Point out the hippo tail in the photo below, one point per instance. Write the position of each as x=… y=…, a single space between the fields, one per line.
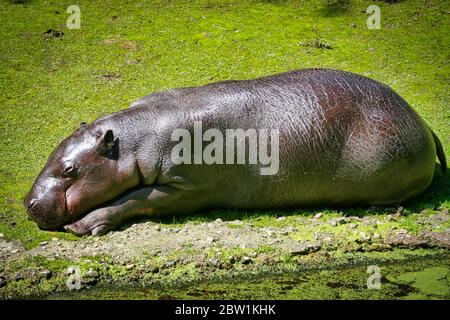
x=440 y=152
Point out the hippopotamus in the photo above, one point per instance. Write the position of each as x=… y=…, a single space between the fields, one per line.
x=342 y=140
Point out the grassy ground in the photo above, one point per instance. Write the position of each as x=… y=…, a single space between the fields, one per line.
x=50 y=82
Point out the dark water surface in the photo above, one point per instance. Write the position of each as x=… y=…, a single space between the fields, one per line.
x=420 y=279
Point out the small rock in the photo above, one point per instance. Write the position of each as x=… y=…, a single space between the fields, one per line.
x=246 y=260
x=2 y=235
x=129 y=266
x=43 y=243
x=376 y=236
x=325 y=237
x=18 y=277
x=231 y=259
x=176 y=230
x=213 y=262
x=364 y=237
x=92 y=273
x=218 y=220
x=305 y=248
x=47 y=274
x=318 y=215
x=154 y=270
x=169 y=264
x=337 y=221
x=352 y=225
x=210 y=239
x=399 y=210
x=158 y=228
x=270 y=233
x=2 y=281
x=281 y=218
x=55 y=239
x=14 y=251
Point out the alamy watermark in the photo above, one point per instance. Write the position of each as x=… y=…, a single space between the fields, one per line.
x=74 y=20
x=74 y=278
x=374 y=20
x=374 y=280
x=235 y=142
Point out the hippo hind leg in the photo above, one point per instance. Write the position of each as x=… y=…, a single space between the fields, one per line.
x=387 y=165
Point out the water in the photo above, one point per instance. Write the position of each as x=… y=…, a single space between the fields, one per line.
x=418 y=279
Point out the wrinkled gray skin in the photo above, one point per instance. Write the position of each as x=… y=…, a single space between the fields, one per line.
x=345 y=140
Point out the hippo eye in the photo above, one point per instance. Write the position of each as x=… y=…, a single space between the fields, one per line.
x=68 y=171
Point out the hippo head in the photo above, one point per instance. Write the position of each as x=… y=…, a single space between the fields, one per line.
x=81 y=174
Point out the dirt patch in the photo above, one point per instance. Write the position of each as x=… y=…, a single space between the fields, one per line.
x=52 y=34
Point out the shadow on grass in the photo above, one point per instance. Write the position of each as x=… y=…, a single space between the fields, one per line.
x=334 y=8
x=434 y=197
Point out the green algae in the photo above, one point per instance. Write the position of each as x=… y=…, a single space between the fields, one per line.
x=418 y=279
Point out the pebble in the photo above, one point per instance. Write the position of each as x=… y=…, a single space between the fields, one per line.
x=305 y=248
x=246 y=260
x=270 y=233
x=218 y=220
x=213 y=262
x=92 y=273
x=352 y=225
x=2 y=281
x=210 y=239
x=337 y=221
x=158 y=228
x=18 y=277
x=43 y=243
x=129 y=266
x=55 y=239
x=169 y=264
x=318 y=215
x=231 y=259
x=154 y=270
x=47 y=274
x=364 y=236
x=281 y=218
x=14 y=251
x=2 y=235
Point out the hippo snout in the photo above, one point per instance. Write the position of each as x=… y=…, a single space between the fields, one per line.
x=46 y=211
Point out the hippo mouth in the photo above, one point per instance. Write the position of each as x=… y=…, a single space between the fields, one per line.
x=49 y=218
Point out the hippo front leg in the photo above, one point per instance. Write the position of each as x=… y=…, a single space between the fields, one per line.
x=148 y=201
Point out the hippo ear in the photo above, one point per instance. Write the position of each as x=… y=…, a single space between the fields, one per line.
x=107 y=146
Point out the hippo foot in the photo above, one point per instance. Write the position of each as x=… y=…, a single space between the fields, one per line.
x=96 y=223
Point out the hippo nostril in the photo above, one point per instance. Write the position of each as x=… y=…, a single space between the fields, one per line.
x=32 y=203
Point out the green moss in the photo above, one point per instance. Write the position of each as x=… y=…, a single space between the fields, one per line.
x=49 y=86
x=423 y=279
